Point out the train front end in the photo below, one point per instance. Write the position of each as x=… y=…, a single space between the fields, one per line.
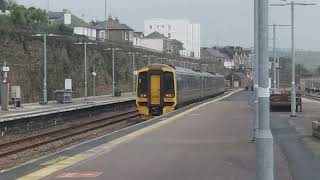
x=156 y=90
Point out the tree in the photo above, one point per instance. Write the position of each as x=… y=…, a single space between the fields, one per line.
x=20 y=15
x=3 y=5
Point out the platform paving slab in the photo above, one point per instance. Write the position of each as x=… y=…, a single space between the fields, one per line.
x=294 y=136
x=212 y=142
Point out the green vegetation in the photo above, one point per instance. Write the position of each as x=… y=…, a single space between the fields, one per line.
x=27 y=18
x=3 y=5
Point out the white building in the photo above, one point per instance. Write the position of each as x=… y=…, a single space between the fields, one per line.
x=182 y=30
x=229 y=64
x=137 y=38
x=79 y=26
x=157 y=41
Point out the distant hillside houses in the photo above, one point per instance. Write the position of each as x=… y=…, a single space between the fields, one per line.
x=176 y=37
x=231 y=57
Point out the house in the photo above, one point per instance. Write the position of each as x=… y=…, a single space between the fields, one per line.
x=117 y=31
x=79 y=26
x=157 y=42
x=177 y=46
x=237 y=79
x=137 y=38
x=160 y=42
x=214 y=55
x=239 y=55
x=101 y=27
x=182 y=30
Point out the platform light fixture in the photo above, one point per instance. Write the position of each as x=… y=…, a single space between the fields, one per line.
x=85 y=44
x=133 y=68
x=113 y=67
x=44 y=80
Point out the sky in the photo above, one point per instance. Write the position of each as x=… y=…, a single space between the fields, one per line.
x=223 y=22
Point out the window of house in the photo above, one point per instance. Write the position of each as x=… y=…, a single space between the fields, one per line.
x=158 y=26
x=169 y=35
x=162 y=26
x=126 y=35
x=150 y=26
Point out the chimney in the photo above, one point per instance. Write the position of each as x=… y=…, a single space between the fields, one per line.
x=109 y=22
x=110 y=18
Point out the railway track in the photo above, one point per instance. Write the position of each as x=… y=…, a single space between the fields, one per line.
x=312 y=96
x=31 y=142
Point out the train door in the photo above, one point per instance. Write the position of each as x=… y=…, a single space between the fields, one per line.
x=155 y=89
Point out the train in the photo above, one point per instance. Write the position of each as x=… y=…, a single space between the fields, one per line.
x=161 y=88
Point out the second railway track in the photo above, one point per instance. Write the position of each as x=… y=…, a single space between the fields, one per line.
x=312 y=96
x=31 y=142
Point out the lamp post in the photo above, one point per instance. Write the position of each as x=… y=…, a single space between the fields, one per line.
x=133 y=68
x=85 y=65
x=275 y=63
x=293 y=53
x=94 y=75
x=113 y=67
x=44 y=80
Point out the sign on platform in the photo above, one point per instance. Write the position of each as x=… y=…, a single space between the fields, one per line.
x=5 y=69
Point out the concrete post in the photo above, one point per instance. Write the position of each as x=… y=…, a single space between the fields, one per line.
x=256 y=52
x=278 y=72
x=293 y=83
x=264 y=139
x=85 y=71
x=133 y=70
x=274 y=58
x=44 y=91
x=113 y=73
x=94 y=81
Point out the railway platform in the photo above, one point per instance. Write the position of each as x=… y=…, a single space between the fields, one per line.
x=207 y=141
x=35 y=109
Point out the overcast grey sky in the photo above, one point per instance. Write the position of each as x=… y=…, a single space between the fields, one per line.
x=223 y=22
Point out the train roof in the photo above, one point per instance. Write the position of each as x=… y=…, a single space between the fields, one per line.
x=187 y=71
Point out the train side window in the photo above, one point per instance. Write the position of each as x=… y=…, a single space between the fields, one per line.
x=169 y=85
x=142 y=85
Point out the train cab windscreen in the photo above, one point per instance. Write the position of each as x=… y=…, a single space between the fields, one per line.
x=142 y=85
x=168 y=85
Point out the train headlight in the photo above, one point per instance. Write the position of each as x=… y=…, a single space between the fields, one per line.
x=169 y=95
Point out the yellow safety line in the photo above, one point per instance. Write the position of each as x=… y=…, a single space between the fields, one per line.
x=67 y=162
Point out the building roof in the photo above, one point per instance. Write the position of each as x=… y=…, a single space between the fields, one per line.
x=138 y=34
x=100 y=25
x=155 y=35
x=114 y=24
x=58 y=17
x=212 y=52
x=174 y=41
x=237 y=75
